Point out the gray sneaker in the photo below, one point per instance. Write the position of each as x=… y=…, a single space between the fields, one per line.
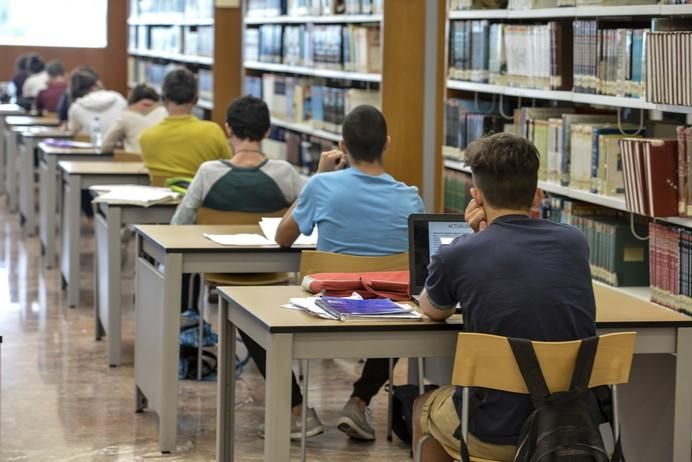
x=356 y=422
x=312 y=424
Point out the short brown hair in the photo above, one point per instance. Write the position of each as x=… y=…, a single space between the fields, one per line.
x=505 y=169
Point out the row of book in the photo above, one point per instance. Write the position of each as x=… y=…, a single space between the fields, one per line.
x=309 y=101
x=348 y=47
x=537 y=4
x=153 y=73
x=670 y=254
x=464 y=122
x=671 y=67
x=609 y=61
x=179 y=8
x=301 y=150
x=521 y=55
x=457 y=194
x=189 y=40
x=269 y=8
x=616 y=256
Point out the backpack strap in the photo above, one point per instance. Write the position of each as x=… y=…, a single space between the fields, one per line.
x=584 y=364
x=530 y=369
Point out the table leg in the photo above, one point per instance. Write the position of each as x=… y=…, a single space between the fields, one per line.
x=277 y=412
x=157 y=309
x=27 y=185
x=108 y=311
x=12 y=191
x=682 y=426
x=3 y=157
x=71 y=228
x=225 y=428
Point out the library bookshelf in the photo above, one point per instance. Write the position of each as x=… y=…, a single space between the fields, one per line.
x=477 y=94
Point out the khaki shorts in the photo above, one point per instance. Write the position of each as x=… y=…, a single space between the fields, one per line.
x=439 y=418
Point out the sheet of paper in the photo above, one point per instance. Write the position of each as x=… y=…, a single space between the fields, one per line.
x=239 y=239
x=269 y=226
x=134 y=194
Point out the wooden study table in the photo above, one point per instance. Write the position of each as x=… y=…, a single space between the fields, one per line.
x=12 y=153
x=164 y=254
x=78 y=175
x=108 y=222
x=27 y=140
x=654 y=427
x=5 y=111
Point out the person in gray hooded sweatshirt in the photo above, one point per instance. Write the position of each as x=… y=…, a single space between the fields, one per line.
x=91 y=100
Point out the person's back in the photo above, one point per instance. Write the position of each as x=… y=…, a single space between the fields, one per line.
x=179 y=144
x=249 y=182
x=515 y=277
x=21 y=74
x=90 y=100
x=143 y=111
x=49 y=98
x=38 y=78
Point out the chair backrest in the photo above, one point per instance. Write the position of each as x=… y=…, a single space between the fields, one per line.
x=157 y=178
x=315 y=261
x=120 y=155
x=207 y=216
x=487 y=361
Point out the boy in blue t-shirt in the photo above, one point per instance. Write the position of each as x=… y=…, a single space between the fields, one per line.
x=358 y=210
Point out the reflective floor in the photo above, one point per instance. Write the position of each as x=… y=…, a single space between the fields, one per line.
x=59 y=401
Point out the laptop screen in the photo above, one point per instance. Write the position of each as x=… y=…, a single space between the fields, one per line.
x=427 y=232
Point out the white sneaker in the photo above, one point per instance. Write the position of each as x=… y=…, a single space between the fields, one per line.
x=356 y=422
x=313 y=426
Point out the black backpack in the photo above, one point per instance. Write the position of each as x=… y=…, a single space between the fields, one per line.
x=561 y=427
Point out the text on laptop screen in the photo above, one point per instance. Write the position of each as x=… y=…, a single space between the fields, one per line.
x=428 y=237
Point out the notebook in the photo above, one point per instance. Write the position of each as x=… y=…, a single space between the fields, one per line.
x=345 y=309
x=426 y=233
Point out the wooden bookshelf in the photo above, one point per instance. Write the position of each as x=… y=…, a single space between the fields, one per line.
x=306 y=129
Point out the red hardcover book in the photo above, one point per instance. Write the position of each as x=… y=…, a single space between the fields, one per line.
x=661 y=179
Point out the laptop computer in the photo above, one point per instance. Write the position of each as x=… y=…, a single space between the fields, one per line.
x=426 y=233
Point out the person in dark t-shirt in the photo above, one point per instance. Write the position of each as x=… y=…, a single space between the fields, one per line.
x=514 y=277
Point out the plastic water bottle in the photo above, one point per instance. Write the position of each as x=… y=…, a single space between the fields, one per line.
x=96 y=135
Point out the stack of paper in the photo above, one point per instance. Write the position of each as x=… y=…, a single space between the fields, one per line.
x=269 y=226
x=140 y=195
x=311 y=306
x=249 y=240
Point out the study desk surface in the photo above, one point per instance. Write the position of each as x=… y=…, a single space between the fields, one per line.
x=102 y=167
x=31 y=120
x=190 y=238
x=11 y=109
x=613 y=309
x=40 y=131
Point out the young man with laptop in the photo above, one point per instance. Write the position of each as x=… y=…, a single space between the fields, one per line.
x=514 y=277
x=359 y=210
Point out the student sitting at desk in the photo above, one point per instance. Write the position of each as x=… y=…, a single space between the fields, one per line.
x=358 y=210
x=143 y=111
x=248 y=182
x=49 y=98
x=516 y=277
x=181 y=142
x=21 y=67
x=37 y=80
x=91 y=100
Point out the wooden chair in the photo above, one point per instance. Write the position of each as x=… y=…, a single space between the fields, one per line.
x=487 y=361
x=157 y=178
x=207 y=216
x=314 y=261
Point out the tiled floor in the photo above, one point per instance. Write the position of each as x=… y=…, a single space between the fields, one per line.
x=59 y=401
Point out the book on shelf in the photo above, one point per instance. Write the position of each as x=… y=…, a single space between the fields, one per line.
x=670 y=256
x=520 y=55
x=650 y=168
x=616 y=256
x=457 y=191
x=350 y=47
x=165 y=39
x=269 y=8
x=466 y=121
x=609 y=60
x=205 y=79
x=669 y=67
x=564 y=157
x=684 y=149
x=198 y=41
x=174 y=9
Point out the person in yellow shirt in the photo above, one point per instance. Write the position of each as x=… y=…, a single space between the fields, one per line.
x=179 y=144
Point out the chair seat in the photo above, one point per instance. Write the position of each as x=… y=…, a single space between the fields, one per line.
x=246 y=279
